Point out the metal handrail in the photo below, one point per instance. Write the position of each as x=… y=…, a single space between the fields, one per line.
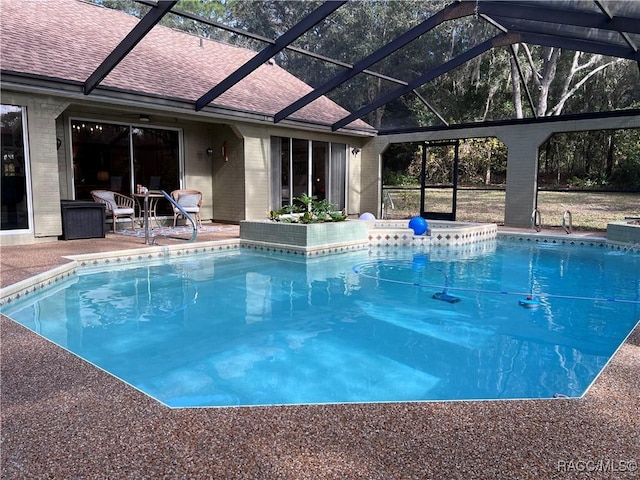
x=567 y=215
x=387 y=200
x=536 y=220
x=183 y=212
x=388 y=195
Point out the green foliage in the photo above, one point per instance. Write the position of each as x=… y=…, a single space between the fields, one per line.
x=608 y=159
x=306 y=209
x=391 y=177
x=398 y=161
x=626 y=170
x=486 y=87
x=481 y=161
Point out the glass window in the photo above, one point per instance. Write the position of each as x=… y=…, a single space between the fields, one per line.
x=119 y=157
x=338 y=175
x=100 y=158
x=320 y=165
x=302 y=166
x=156 y=161
x=15 y=208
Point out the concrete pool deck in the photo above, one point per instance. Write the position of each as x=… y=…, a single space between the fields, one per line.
x=63 y=418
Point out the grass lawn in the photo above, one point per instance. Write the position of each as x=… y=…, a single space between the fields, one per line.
x=589 y=210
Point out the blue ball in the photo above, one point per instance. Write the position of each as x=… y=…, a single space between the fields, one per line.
x=367 y=216
x=418 y=225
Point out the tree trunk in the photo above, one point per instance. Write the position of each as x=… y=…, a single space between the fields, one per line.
x=550 y=58
x=515 y=82
x=487 y=173
x=608 y=166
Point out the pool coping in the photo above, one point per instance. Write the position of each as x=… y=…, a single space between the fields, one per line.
x=86 y=263
x=387 y=236
x=63 y=417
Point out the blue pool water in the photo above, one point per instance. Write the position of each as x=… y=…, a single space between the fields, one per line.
x=249 y=328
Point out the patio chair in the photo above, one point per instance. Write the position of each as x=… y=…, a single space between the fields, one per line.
x=190 y=201
x=117 y=205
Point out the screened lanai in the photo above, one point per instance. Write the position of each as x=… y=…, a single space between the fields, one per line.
x=373 y=74
x=404 y=101
x=608 y=28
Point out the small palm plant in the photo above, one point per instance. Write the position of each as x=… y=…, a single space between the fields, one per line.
x=308 y=209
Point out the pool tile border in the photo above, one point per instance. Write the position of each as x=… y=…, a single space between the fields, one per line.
x=391 y=233
x=87 y=262
x=558 y=239
x=386 y=236
x=304 y=251
x=94 y=261
x=33 y=284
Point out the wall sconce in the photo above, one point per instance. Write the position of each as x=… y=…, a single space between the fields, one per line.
x=225 y=151
x=209 y=151
x=144 y=118
x=355 y=151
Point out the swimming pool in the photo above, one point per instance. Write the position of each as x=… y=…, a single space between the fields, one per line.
x=252 y=328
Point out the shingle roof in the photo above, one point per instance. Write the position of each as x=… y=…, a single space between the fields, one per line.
x=67 y=40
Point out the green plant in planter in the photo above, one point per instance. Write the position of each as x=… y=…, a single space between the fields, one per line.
x=306 y=209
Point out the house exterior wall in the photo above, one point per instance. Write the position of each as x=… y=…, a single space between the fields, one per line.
x=44 y=191
x=370 y=179
x=521 y=194
x=235 y=182
x=354 y=175
x=257 y=161
x=228 y=175
x=196 y=175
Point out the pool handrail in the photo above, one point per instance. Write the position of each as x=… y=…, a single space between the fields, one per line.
x=566 y=217
x=183 y=212
x=536 y=220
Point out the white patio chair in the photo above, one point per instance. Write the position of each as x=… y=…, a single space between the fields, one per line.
x=190 y=201
x=117 y=205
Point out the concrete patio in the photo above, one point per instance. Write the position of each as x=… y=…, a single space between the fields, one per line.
x=64 y=418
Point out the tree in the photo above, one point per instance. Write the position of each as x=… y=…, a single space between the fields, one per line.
x=556 y=76
x=487 y=87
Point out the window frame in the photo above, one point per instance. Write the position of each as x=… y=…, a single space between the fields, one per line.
x=27 y=173
x=130 y=126
x=276 y=186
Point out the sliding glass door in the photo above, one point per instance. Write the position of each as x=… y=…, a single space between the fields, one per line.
x=15 y=169
x=303 y=166
x=119 y=157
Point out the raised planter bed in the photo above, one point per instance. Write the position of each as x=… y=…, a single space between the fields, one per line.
x=305 y=238
x=624 y=232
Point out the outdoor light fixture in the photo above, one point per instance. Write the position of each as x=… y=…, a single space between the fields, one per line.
x=225 y=153
x=209 y=151
x=144 y=118
x=355 y=151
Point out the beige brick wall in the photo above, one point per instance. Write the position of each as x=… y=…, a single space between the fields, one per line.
x=42 y=112
x=197 y=164
x=228 y=176
x=257 y=161
x=368 y=187
x=522 y=176
x=354 y=194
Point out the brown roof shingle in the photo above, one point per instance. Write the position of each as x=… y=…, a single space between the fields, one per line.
x=68 y=39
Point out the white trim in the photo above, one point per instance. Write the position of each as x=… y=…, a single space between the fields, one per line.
x=27 y=175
